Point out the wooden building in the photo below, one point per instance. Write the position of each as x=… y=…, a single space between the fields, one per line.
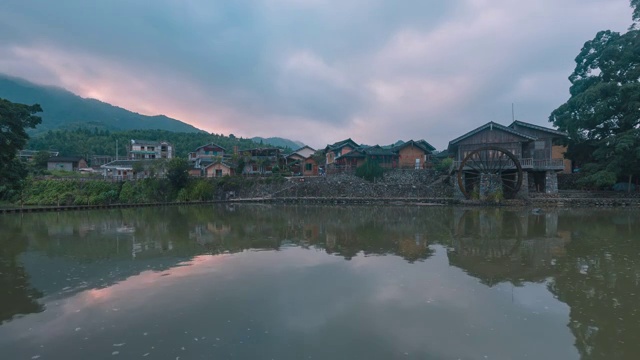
x=536 y=148
x=217 y=169
x=261 y=161
x=414 y=154
x=301 y=162
x=338 y=149
x=66 y=163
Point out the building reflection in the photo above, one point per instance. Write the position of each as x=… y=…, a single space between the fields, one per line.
x=497 y=245
x=589 y=260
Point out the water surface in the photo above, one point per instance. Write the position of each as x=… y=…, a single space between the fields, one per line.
x=303 y=282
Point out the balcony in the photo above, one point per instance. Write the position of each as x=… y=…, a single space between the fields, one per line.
x=526 y=164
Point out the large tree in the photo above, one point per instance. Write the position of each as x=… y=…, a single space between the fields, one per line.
x=602 y=115
x=14 y=120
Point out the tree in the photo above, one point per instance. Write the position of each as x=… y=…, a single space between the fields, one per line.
x=370 y=170
x=14 y=120
x=40 y=159
x=602 y=116
x=178 y=172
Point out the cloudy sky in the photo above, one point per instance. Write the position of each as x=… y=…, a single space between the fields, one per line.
x=317 y=71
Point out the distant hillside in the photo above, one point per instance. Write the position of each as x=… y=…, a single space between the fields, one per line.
x=279 y=142
x=65 y=110
x=88 y=141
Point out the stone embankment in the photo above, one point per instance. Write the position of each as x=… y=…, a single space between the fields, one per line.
x=406 y=184
x=411 y=186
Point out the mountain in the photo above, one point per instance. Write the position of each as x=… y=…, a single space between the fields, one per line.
x=276 y=141
x=66 y=110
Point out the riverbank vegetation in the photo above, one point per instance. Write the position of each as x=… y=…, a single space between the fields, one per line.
x=602 y=116
x=57 y=192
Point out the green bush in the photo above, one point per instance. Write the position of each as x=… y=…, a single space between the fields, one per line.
x=443 y=165
x=370 y=170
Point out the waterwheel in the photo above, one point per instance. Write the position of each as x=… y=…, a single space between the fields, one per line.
x=494 y=163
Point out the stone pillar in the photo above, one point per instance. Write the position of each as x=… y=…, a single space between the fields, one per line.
x=457 y=193
x=490 y=184
x=551 y=182
x=524 y=188
x=551 y=224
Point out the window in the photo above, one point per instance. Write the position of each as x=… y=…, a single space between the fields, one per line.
x=308 y=167
x=540 y=144
x=218 y=172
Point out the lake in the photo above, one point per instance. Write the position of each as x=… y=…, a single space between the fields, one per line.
x=320 y=282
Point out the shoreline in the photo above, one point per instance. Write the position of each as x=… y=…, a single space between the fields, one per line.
x=552 y=202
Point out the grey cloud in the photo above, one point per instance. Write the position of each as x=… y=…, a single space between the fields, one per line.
x=238 y=54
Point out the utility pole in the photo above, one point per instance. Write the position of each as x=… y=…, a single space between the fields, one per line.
x=116 y=149
x=513 y=113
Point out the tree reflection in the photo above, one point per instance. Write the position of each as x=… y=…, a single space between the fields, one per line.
x=599 y=278
x=497 y=245
x=16 y=294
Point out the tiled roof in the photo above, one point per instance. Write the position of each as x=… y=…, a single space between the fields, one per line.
x=342 y=143
x=65 y=158
x=538 y=127
x=212 y=145
x=490 y=125
x=379 y=151
x=420 y=143
x=128 y=163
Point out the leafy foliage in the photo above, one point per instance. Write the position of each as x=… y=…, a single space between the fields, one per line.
x=443 y=165
x=14 y=120
x=602 y=116
x=89 y=142
x=370 y=170
x=178 y=172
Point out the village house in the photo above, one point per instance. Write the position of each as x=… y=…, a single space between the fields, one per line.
x=205 y=156
x=27 y=155
x=414 y=154
x=302 y=162
x=66 y=163
x=260 y=161
x=133 y=169
x=208 y=151
x=218 y=168
x=347 y=154
x=142 y=149
x=338 y=149
x=536 y=148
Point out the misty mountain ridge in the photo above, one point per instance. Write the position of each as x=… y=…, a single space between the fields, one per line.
x=66 y=110
x=277 y=141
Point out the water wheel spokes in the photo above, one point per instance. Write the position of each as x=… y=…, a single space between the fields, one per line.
x=490 y=160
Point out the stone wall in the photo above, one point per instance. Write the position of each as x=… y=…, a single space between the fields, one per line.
x=395 y=184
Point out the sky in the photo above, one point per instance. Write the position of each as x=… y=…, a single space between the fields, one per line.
x=316 y=71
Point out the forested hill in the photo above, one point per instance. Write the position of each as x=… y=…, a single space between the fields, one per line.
x=88 y=142
x=65 y=110
x=280 y=142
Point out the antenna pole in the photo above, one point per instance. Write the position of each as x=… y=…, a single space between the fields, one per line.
x=116 y=149
x=513 y=113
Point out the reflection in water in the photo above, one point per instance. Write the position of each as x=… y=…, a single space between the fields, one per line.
x=498 y=246
x=588 y=260
x=17 y=296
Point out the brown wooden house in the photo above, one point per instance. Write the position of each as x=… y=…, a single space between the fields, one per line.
x=414 y=154
x=531 y=144
x=209 y=151
x=338 y=149
x=217 y=169
x=301 y=162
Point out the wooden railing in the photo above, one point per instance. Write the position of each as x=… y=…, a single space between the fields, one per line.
x=551 y=164
x=528 y=163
